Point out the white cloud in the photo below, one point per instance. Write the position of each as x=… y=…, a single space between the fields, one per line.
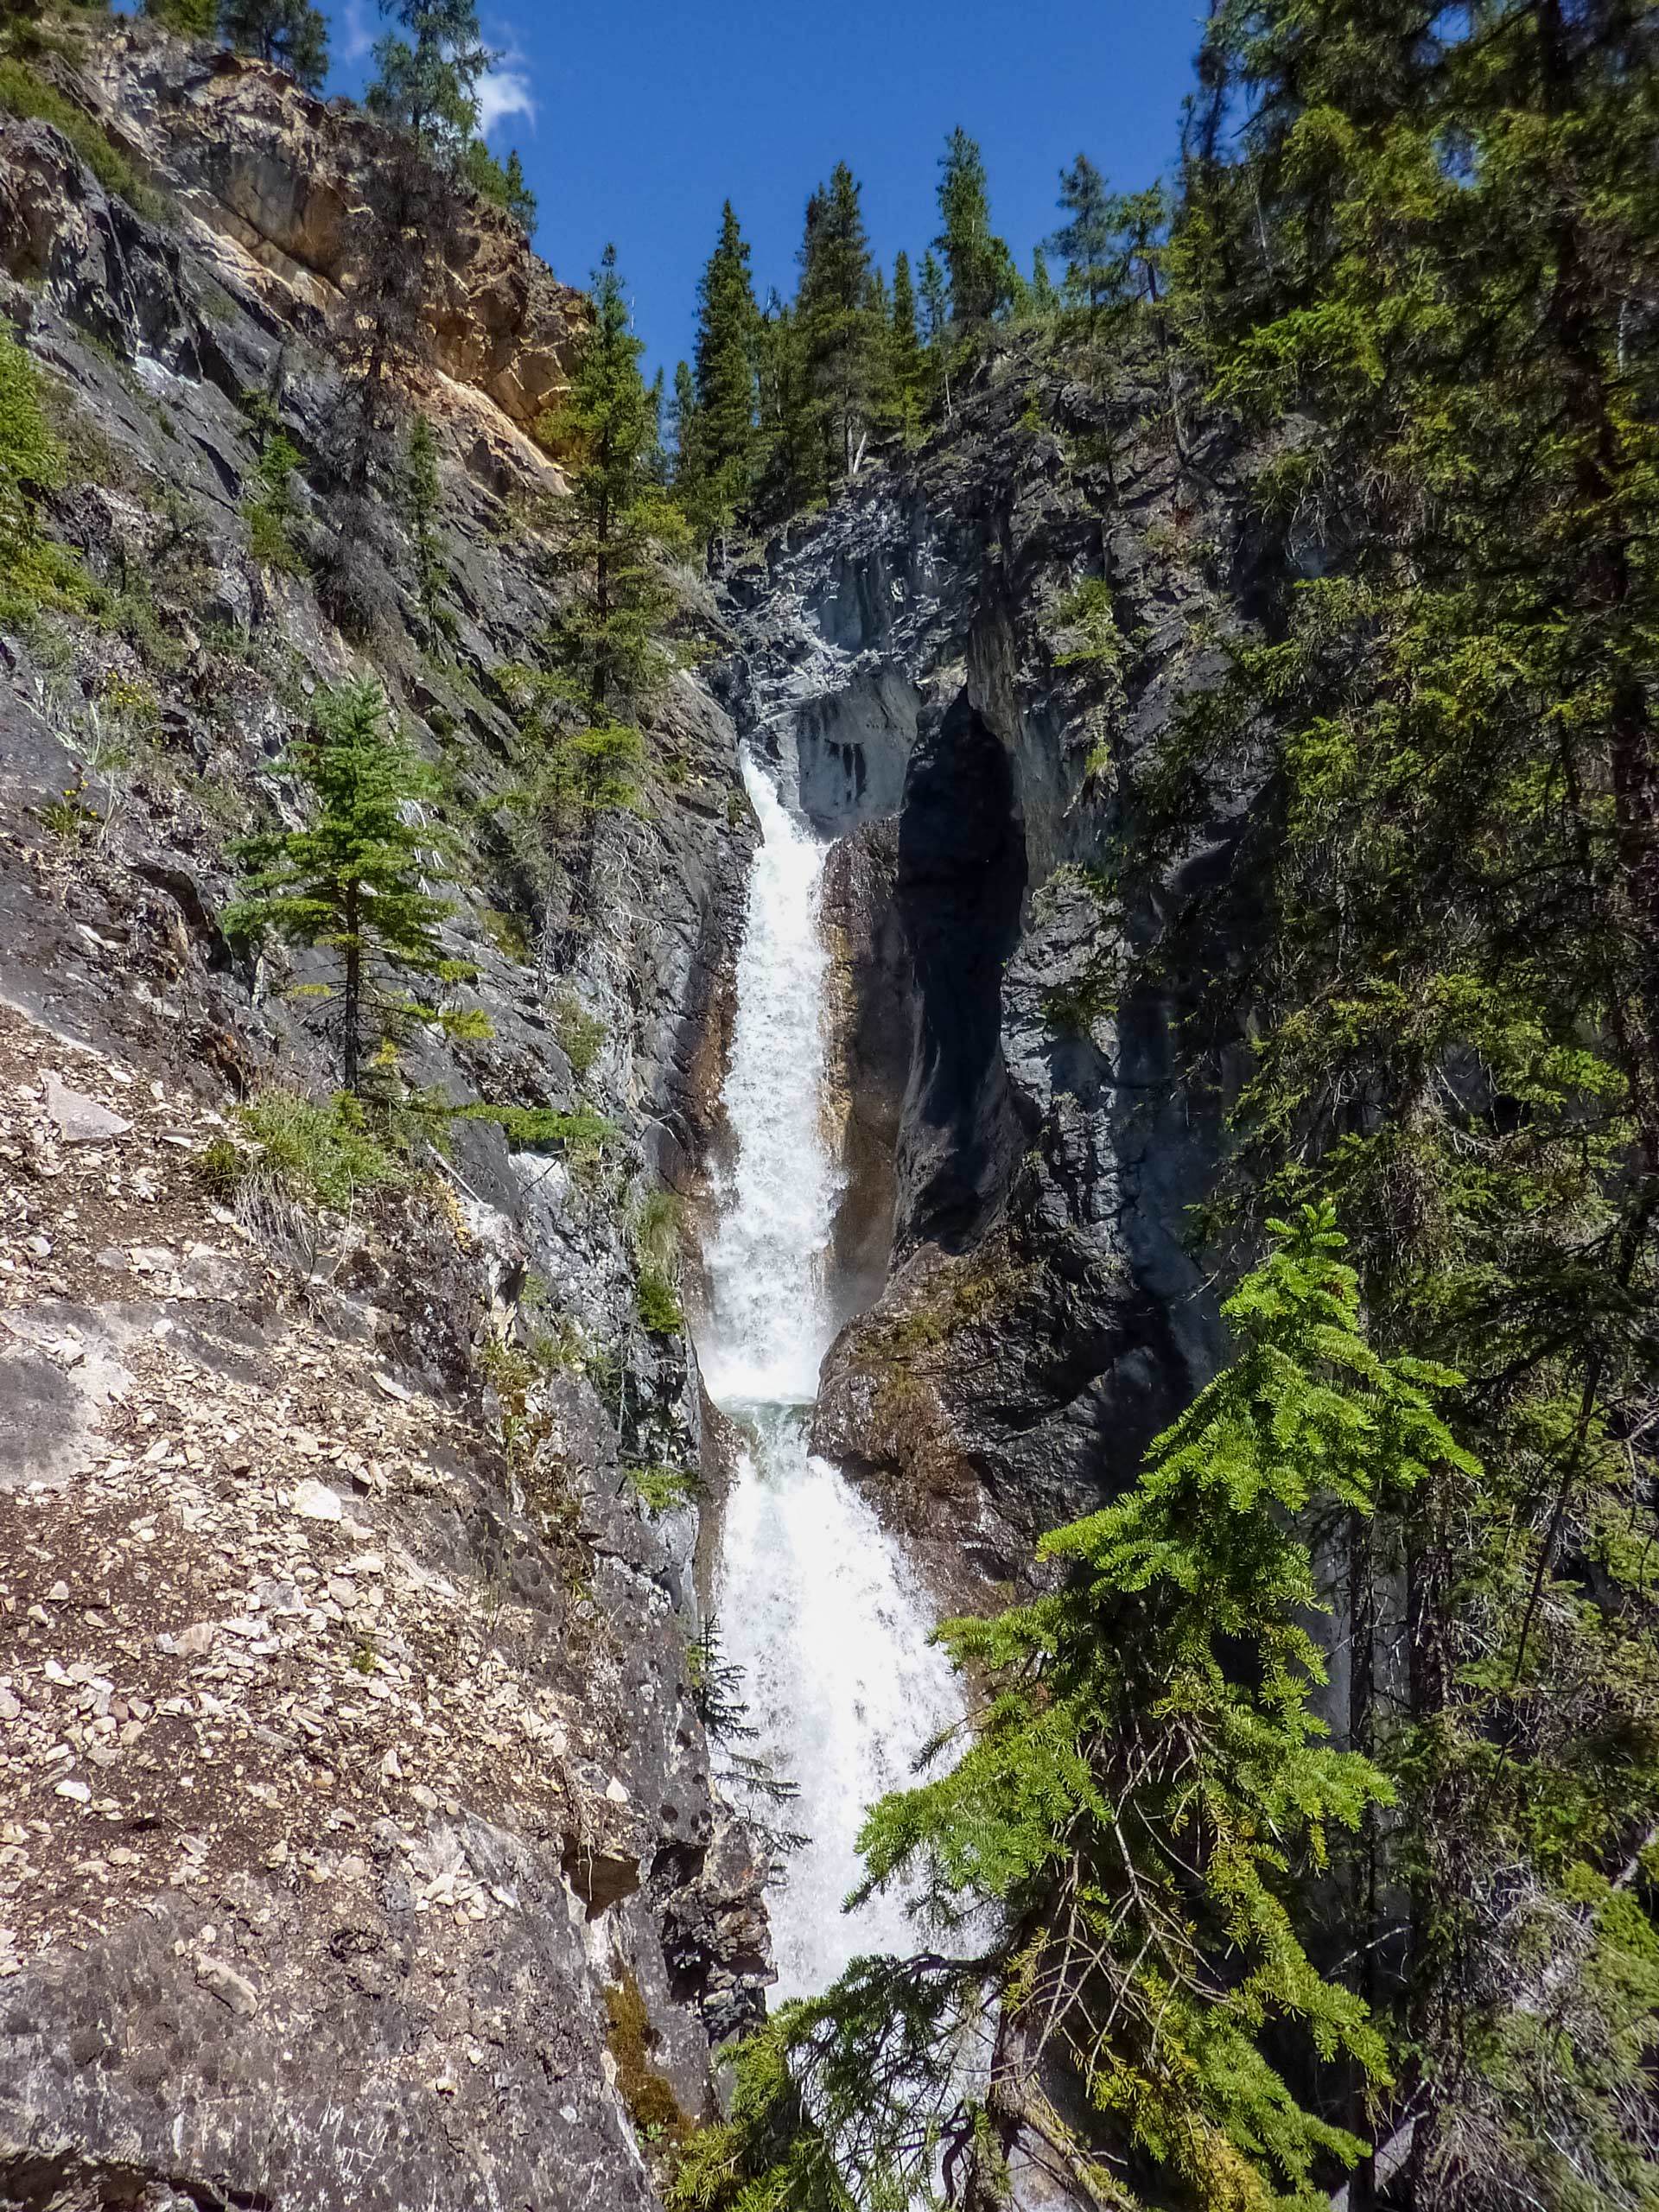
x=504 y=91
x=359 y=30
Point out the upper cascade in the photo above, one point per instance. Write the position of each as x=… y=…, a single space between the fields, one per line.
x=769 y=1324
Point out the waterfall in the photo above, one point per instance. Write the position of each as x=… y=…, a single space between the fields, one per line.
x=816 y=1603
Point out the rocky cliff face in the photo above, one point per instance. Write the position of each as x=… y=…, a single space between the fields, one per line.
x=357 y=1845
x=358 y=1842
x=1022 y=1149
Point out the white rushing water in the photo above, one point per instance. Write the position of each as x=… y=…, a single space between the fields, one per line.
x=815 y=1603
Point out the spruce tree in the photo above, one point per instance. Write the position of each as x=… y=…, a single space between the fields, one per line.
x=504 y=185
x=905 y=379
x=979 y=265
x=838 y=330
x=606 y=434
x=935 y=317
x=427 y=80
x=1121 y=1866
x=1088 y=241
x=1412 y=289
x=719 y=439
x=519 y=200
x=291 y=34
x=355 y=882
x=793 y=473
x=682 y=433
x=420 y=498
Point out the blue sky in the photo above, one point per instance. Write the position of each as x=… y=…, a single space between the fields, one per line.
x=636 y=118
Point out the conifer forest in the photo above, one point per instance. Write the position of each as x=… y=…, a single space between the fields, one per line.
x=830 y=1179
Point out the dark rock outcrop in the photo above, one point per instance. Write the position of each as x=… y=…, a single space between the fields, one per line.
x=919 y=664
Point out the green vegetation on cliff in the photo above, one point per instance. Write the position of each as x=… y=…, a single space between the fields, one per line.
x=1111 y=1866
x=353 y=881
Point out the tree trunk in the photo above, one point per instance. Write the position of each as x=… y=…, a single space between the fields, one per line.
x=1362 y=1691
x=352 y=995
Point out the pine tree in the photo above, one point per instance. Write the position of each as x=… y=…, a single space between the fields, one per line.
x=606 y=433
x=291 y=34
x=719 y=439
x=428 y=82
x=1088 y=242
x=1119 y=1863
x=936 y=325
x=906 y=371
x=354 y=883
x=980 y=267
x=1041 y=298
x=420 y=498
x=838 y=332
x=1425 y=258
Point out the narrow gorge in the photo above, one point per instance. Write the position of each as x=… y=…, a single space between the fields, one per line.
x=363 y=1841
x=879 y=1119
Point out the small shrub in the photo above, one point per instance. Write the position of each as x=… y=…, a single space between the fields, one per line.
x=224 y=1164
x=659 y=1303
x=1088 y=612
x=656 y=1235
x=657 y=1218
x=35 y=573
x=269 y=543
x=660 y=1489
x=506 y=931
x=270 y=507
x=580 y=1035
x=652 y=2103
x=582 y=1135
x=717 y=1686
x=324 y=1153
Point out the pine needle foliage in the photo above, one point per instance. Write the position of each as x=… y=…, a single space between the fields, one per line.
x=290 y=34
x=619 y=522
x=427 y=73
x=355 y=882
x=1407 y=259
x=836 y=324
x=717 y=421
x=1124 y=1851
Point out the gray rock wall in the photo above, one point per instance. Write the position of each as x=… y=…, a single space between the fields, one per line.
x=908 y=662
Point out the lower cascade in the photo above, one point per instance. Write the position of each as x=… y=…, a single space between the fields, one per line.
x=816 y=1603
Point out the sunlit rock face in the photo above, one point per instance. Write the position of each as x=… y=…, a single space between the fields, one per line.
x=351 y=1765
x=281 y=178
